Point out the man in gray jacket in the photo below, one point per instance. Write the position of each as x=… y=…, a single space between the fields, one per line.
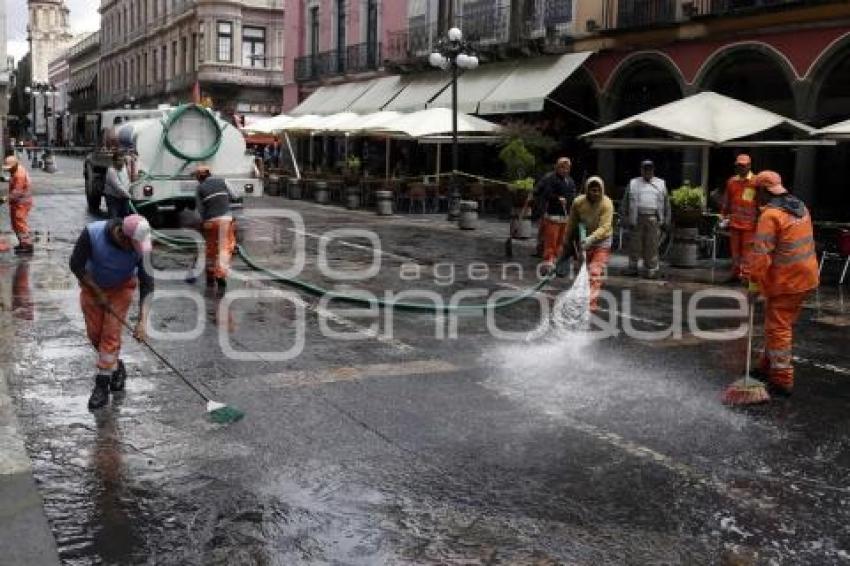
x=116 y=188
x=645 y=209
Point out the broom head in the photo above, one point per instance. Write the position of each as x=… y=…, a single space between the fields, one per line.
x=223 y=414
x=745 y=391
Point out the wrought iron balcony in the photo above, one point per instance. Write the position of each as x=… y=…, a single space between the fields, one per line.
x=695 y=8
x=623 y=14
x=354 y=59
x=485 y=23
x=548 y=18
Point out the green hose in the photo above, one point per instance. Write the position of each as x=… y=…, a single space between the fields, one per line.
x=291 y=281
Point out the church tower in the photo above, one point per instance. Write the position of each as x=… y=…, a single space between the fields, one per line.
x=47 y=33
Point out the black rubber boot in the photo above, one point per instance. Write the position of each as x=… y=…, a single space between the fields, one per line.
x=119 y=376
x=222 y=283
x=100 y=393
x=24 y=249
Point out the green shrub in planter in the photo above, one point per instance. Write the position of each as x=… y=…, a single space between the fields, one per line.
x=687 y=204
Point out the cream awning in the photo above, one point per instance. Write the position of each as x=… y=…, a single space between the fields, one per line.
x=418 y=91
x=380 y=92
x=474 y=86
x=530 y=83
x=839 y=131
x=332 y=99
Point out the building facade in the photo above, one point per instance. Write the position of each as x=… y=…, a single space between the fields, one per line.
x=5 y=78
x=57 y=115
x=789 y=57
x=167 y=51
x=83 y=59
x=332 y=41
x=48 y=35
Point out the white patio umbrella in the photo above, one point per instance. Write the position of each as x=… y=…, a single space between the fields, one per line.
x=839 y=131
x=269 y=125
x=704 y=120
x=436 y=121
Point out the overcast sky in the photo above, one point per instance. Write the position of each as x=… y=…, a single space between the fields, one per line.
x=84 y=17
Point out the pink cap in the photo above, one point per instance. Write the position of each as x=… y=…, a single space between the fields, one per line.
x=136 y=228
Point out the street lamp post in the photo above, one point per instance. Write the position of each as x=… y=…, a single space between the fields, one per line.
x=34 y=91
x=454 y=53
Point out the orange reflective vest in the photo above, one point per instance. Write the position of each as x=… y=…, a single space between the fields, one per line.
x=783 y=260
x=20 y=187
x=739 y=203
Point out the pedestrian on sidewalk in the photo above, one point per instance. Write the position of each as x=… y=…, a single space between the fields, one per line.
x=116 y=187
x=213 y=204
x=739 y=214
x=109 y=262
x=553 y=197
x=20 y=203
x=645 y=210
x=783 y=268
x=596 y=212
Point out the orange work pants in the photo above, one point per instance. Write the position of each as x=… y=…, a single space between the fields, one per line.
x=553 y=240
x=104 y=328
x=780 y=314
x=597 y=259
x=740 y=244
x=19 y=213
x=220 y=238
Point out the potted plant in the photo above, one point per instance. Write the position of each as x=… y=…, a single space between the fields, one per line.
x=351 y=181
x=519 y=162
x=687 y=204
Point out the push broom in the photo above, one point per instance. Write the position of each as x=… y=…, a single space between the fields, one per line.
x=747 y=391
x=217 y=412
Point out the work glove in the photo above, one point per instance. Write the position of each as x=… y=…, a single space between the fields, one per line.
x=3 y=200
x=753 y=290
x=586 y=244
x=139 y=332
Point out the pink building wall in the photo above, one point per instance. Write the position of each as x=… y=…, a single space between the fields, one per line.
x=392 y=17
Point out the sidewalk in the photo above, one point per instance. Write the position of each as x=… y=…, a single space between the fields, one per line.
x=25 y=536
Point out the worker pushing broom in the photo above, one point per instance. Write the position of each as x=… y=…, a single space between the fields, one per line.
x=783 y=269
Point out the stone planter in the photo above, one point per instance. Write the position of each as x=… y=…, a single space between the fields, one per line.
x=320 y=192
x=352 y=197
x=521 y=228
x=294 y=188
x=468 y=215
x=683 y=252
x=384 y=201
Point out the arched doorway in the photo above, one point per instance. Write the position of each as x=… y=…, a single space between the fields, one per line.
x=756 y=74
x=643 y=82
x=831 y=97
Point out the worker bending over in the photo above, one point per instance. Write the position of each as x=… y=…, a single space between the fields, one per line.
x=784 y=269
x=219 y=229
x=596 y=211
x=108 y=260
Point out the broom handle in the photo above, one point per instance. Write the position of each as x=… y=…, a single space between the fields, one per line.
x=750 y=340
x=159 y=356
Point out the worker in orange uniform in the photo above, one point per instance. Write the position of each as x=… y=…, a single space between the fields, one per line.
x=553 y=197
x=109 y=262
x=784 y=269
x=213 y=204
x=20 y=203
x=739 y=213
x=596 y=212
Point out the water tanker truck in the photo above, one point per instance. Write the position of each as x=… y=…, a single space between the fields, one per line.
x=162 y=147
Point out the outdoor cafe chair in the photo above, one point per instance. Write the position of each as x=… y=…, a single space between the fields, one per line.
x=840 y=252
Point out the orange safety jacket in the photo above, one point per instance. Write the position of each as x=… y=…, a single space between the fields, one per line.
x=783 y=259
x=20 y=187
x=739 y=202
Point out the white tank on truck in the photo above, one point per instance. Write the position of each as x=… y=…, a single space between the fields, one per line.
x=162 y=148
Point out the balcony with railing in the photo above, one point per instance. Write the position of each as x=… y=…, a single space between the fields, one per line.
x=358 y=58
x=625 y=14
x=696 y=8
x=485 y=23
x=549 y=19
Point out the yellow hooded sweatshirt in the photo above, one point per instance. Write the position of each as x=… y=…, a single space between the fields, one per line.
x=597 y=217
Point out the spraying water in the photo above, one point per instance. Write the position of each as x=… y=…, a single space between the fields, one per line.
x=572 y=309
